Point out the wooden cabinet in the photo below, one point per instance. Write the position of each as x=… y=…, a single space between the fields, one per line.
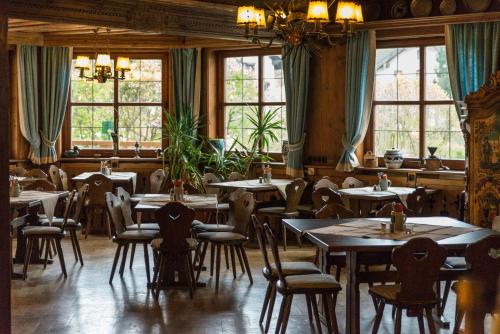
x=482 y=140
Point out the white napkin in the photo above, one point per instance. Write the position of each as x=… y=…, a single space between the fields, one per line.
x=49 y=204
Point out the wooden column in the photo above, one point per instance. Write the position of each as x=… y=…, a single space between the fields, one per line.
x=5 y=251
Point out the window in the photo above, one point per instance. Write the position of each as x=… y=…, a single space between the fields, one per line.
x=413 y=107
x=132 y=106
x=253 y=86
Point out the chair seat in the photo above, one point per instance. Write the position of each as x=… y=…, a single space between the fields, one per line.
x=293 y=268
x=192 y=243
x=138 y=235
x=390 y=292
x=277 y=211
x=221 y=236
x=58 y=222
x=306 y=208
x=311 y=281
x=213 y=228
x=196 y=222
x=455 y=262
x=42 y=230
x=145 y=226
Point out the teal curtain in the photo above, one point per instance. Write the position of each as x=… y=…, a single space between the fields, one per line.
x=27 y=57
x=473 y=53
x=183 y=68
x=360 y=71
x=296 y=63
x=56 y=76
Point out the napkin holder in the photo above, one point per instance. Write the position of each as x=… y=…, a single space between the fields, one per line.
x=14 y=189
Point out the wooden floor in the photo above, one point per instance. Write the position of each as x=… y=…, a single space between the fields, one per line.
x=86 y=303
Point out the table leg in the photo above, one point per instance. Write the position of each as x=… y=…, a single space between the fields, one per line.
x=352 y=295
x=354 y=206
x=365 y=207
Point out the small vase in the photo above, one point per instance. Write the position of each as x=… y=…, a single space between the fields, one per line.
x=179 y=191
x=393 y=158
x=285 y=150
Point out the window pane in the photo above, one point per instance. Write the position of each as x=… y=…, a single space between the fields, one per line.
x=437 y=81
x=408 y=87
x=84 y=91
x=241 y=84
x=443 y=131
x=273 y=67
x=234 y=91
x=233 y=117
x=250 y=67
x=140 y=124
x=250 y=91
x=435 y=59
x=91 y=126
x=281 y=134
x=143 y=83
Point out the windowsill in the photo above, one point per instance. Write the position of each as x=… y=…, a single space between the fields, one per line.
x=123 y=159
x=412 y=170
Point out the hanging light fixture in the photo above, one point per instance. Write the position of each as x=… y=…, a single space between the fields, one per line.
x=102 y=66
x=296 y=21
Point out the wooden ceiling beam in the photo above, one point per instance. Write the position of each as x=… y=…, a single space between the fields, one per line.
x=25 y=38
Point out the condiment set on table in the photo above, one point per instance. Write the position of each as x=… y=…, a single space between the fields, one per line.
x=266 y=174
x=383 y=183
x=398 y=221
x=14 y=187
x=105 y=168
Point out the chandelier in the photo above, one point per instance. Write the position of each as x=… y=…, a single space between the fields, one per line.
x=298 y=21
x=102 y=67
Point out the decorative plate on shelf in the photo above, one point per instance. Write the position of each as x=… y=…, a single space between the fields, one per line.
x=421 y=8
x=448 y=7
x=399 y=9
x=477 y=5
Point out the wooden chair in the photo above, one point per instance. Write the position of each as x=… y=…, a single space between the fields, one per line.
x=40 y=185
x=73 y=224
x=50 y=234
x=325 y=182
x=241 y=209
x=174 y=247
x=235 y=176
x=270 y=273
x=157 y=181
x=385 y=211
x=418 y=202
x=293 y=192
x=210 y=178
x=64 y=180
x=323 y=195
x=124 y=238
x=99 y=185
x=309 y=285
x=352 y=182
x=17 y=171
x=334 y=210
x=55 y=177
x=477 y=292
x=418 y=263
x=36 y=173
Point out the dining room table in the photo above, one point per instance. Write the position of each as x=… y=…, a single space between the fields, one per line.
x=254 y=185
x=29 y=203
x=359 y=237
x=127 y=180
x=26 y=180
x=362 y=200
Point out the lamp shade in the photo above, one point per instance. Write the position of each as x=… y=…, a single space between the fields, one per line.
x=123 y=64
x=246 y=15
x=318 y=11
x=82 y=62
x=103 y=60
x=260 y=17
x=346 y=11
x=359 y=13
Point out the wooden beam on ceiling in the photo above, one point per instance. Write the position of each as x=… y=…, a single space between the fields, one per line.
x=180 y=18
x=25 y=38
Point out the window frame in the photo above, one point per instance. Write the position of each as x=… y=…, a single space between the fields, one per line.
x=221 y=103
x=124 y=153
x=422 y=102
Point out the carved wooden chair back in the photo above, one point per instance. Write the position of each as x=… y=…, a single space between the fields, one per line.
x=418 y=263
x=484 y=259
x=352 y=182
x=114 y=209
x=241 y=206
x=322 y=196
x=261 y=239
x=126 y=204
x=385 y=211
x=36 y=173
x=156 y=181
x=98 y=185
x=332 y=209
x=210 y=178
x=294 y=191
x=273 y=244
x=325 y=182
x=54 y=176
x=418 y=202
x=495 y=225
x=70 y=203
x=64 y=180
x=17 y=171
x=40 y=185
x=175 y=221
x=81 y=197
x=235 y=176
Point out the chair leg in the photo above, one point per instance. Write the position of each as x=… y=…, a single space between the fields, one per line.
x=46 y=259
x=283 y=227
x=187 y=270
x=299 y=241
x=446 y=293
x=115 y=262
x=245 y=260
x=280 y=315
x=217 y=269
x=421 y=327
x=397 y=324
x=146 y=260
x=430 y=320
x=132 y=253
x=90 y=218
x=77 y=244
x=270 y=309
x=286 y=313
x=333 y=300
x=309 y=310
x=378 y=317
x=226 y=255
x=202 y=258
x=338 y=270
x=233 y=263
x=161 y=275
x=266 y=302
x=73 y=246
x=108 y=226
x=459 y=316
x=316 y=313
x=27 y=257
x=240 y=259
x=124 y=259
x=191 y=272
x=61 y=256
x=326 y=308
x=212 y=259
